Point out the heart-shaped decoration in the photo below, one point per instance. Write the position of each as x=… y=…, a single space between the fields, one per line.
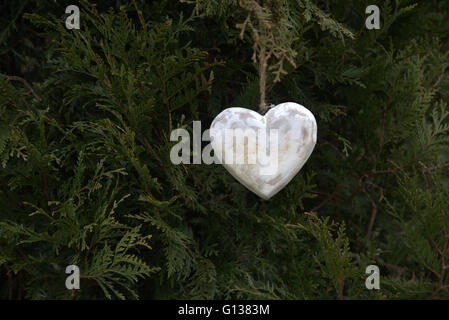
x=264 y=152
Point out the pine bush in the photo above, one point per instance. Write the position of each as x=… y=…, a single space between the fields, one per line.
x=85 y=171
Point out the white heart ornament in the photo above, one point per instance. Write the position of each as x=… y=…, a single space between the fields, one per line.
x=264 y=153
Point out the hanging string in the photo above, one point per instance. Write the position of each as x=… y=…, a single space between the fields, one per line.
x=262 y=79
x=265 y=36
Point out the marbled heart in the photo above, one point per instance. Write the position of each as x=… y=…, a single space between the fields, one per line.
x=296 y=131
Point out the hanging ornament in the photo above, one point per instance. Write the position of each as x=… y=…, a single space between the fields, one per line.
x=264 y=153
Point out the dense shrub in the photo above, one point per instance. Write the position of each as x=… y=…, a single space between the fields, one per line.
x=86 y=179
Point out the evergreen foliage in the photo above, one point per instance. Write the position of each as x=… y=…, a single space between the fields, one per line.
x=86 y=177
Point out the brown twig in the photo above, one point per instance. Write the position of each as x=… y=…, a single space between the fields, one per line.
x=442 y=252
x=340 y=288
x=325 y=142
x=10 y=282
x=399 y=269
x=327 y=199
x=382 y=127
x=439 y=79
x=148 y=146
x=24 y=82
x=369 y=229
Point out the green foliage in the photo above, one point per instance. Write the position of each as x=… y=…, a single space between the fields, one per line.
x=424 y=224
x=335 y=252
x=86 y=177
